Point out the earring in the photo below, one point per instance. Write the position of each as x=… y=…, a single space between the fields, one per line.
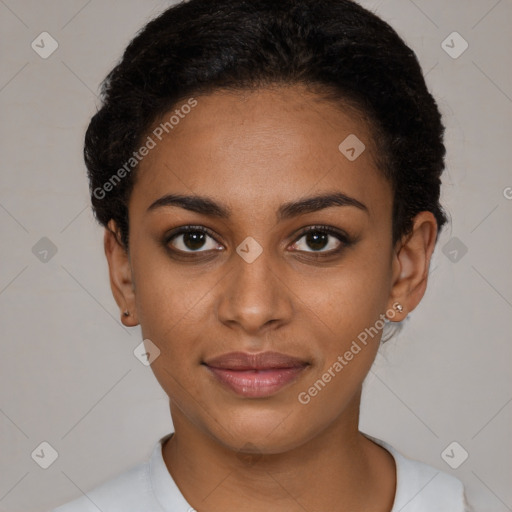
x=398 y=307
x=126 y=313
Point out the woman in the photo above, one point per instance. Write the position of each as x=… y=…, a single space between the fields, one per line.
x=268 y=174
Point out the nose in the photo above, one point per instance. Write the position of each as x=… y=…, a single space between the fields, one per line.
x=254 y=296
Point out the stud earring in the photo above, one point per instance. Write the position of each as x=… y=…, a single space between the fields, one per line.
x=126 y=313
x=398 y=307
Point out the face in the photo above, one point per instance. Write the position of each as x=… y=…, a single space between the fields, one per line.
x=263 y=267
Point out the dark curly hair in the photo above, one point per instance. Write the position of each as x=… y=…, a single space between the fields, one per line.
x=199 y=46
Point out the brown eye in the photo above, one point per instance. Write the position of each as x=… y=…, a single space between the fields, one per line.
x=192 y=239
x=317 y=241
x=320 y=240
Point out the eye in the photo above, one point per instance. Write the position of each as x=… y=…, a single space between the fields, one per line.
x=321 y=239
x=192 y=239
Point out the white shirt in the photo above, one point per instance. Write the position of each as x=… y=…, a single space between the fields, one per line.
x=149 y=487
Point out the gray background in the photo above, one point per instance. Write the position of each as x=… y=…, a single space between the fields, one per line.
x=68 y=375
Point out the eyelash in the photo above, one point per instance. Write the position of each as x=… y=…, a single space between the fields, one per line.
x=345 y=240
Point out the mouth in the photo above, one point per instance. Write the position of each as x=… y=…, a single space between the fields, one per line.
x=255 y=375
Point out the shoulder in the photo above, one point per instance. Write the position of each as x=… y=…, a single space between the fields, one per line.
x=128 y=491
x=147 y=487
x=423 y=488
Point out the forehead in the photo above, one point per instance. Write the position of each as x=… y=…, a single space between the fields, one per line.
x=263 y=147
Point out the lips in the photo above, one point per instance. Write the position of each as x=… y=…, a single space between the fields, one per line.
x=258 y=361
x=255 y=375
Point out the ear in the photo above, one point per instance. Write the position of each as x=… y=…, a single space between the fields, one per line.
x=121 y=279
x=411 y=261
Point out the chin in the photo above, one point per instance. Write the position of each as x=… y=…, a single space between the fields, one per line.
x=261 y=432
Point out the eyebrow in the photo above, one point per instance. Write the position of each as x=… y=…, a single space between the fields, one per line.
x=206 y=206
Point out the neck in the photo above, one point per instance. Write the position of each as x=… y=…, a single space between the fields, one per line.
x=338 y=469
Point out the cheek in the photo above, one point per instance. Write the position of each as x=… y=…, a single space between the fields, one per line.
x=162 y=289
x=168 y=307
x=350 y=309
x=349 y=304
x=334 y=389
x=171 y=310
x=350 y=298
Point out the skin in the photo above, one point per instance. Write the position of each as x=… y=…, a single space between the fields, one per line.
x=252 y=152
